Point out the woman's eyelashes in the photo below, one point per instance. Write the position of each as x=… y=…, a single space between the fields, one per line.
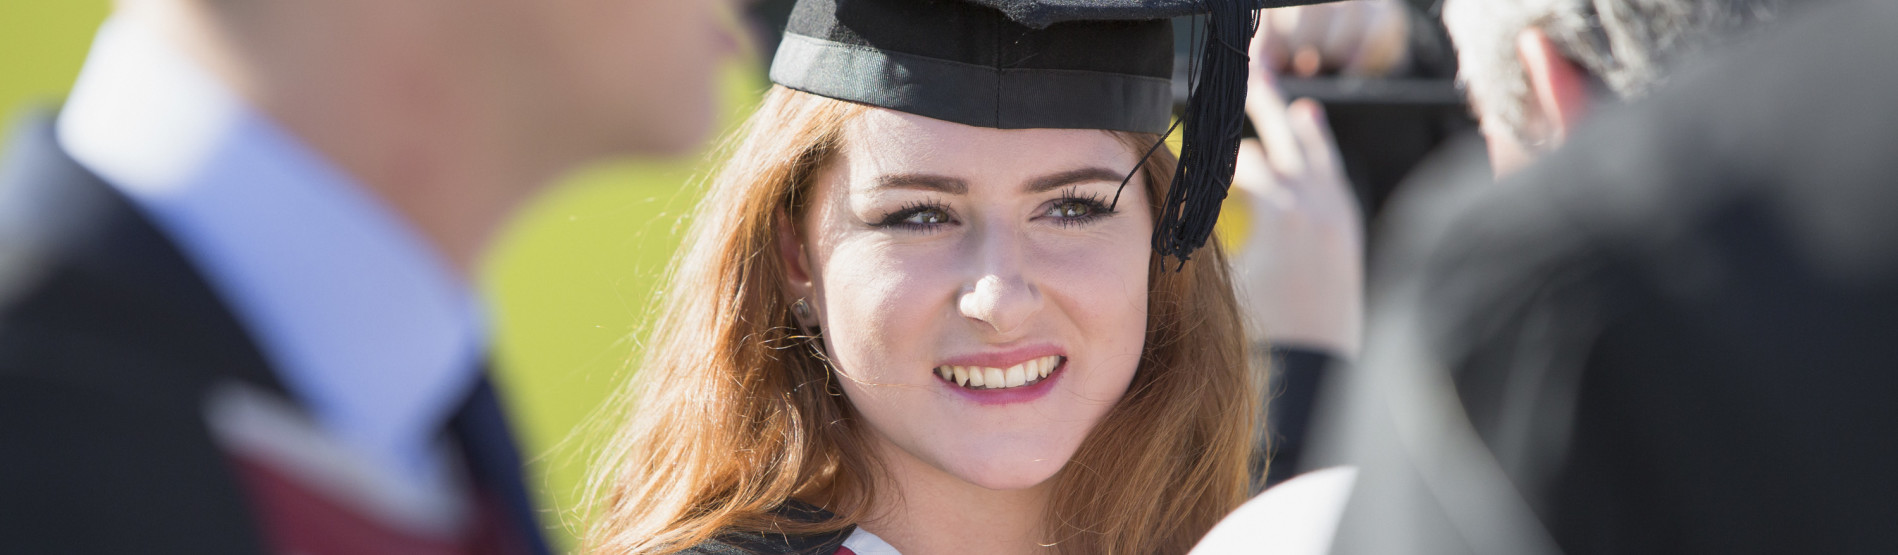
x=1073 y=208
x=1077 y=208
x=917 y=216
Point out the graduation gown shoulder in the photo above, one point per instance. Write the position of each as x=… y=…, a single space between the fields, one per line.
x=763 y=543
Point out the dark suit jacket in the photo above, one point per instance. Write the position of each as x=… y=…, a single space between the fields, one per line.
x=108 y=341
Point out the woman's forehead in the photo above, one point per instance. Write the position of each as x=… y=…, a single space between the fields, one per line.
x=884 y=141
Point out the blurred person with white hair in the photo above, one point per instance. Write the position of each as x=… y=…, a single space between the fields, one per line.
x=1470 y=403
x=1670 y=333
x=1534 y=69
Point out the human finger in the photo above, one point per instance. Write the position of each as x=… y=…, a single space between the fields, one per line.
x=1303 y=27
x=1269 y=50
x=1265 y=106
x=1305 y=119
x=1345 y=32
x=1251 y=174
x=1385 y=42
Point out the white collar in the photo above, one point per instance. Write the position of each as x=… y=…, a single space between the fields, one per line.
x=362 y=319
x=862 y=542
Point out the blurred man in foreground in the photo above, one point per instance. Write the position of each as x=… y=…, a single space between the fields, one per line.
x=1533 y=70
x=1671 y=335
x=235 y=312
x=1584 y=365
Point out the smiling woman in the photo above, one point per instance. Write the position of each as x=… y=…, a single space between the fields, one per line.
x=747 y=417
x=1016 y=265
x=894 y=328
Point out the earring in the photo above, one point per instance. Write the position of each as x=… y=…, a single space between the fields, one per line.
x=802 y=310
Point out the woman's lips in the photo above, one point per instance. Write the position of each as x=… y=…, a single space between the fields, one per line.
x=1005 y=358
x=1016 y=375
x=1022 y=374
x=1028 y=391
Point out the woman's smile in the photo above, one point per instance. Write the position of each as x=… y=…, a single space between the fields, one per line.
x=981 y=378
x=1008 y=377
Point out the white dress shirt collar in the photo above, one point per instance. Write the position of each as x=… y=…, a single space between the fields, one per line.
x=364 y=321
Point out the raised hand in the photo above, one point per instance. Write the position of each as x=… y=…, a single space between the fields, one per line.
x=1300 y=268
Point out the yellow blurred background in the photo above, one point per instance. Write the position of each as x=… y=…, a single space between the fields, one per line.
x=570 y=281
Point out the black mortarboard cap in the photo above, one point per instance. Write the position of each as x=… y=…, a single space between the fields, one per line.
x=1019 y=64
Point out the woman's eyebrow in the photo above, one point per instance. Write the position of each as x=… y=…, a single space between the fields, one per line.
x=957 y=186
x=930 y=182
x=1083 y=175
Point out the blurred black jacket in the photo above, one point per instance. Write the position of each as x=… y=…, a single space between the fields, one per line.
x=109 y=341
x=1677 y=334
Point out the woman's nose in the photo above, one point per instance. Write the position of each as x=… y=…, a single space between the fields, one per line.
x=1002 y=296
x=1002 y=304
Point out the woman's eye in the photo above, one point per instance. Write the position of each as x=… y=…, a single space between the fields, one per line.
x=928 y=216
x=1071 y=209
x=917 y=218
x=1077 y=210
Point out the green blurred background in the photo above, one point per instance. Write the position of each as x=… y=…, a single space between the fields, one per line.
x=570 y=281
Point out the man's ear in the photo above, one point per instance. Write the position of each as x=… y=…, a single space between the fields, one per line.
x=797 y=266
x=1558 y=86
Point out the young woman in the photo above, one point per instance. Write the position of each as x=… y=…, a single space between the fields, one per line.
x=934 y=323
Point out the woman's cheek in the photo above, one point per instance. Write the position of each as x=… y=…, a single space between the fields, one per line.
x=1104 y=276
x=1105 y=291
x=881 y=304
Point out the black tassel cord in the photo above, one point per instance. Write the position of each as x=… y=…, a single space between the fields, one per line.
x=1209 y=148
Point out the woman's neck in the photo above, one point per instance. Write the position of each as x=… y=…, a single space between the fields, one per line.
x=922 y=510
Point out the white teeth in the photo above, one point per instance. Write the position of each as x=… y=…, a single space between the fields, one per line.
x=979 y=377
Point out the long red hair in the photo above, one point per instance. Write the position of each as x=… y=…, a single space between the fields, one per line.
x=732 y=412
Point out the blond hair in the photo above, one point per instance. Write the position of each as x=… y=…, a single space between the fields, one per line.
x=733 y=413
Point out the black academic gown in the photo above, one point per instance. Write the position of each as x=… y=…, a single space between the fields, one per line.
x=109 y=340
x=1677 y=334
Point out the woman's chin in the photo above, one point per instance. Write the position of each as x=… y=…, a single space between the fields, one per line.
x=1009 y=475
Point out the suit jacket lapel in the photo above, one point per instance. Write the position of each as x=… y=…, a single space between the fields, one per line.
x=108 y=340
x=78 y=255
x=494 y=463
x=80 y=265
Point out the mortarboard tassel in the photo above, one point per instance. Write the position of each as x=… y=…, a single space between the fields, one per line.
x=1215 y=110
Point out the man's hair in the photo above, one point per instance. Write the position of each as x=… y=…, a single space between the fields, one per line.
x=1625 y=44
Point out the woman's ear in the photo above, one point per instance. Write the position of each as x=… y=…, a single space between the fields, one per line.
x=1558 y=86
x=797 y=267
